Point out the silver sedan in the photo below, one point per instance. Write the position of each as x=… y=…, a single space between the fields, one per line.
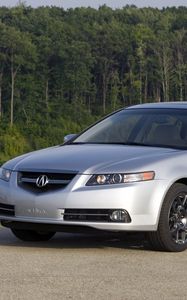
x=127 y=172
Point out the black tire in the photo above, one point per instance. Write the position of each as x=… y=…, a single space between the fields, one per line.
x=171 y=234
x=32 y=236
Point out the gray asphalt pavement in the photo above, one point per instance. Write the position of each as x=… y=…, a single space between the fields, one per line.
x=89 y=267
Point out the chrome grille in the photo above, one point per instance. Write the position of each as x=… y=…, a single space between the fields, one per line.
x=28 y=181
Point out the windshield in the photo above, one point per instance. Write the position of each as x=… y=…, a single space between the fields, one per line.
x=150 y=127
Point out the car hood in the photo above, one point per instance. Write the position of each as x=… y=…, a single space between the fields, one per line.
x=90 y=159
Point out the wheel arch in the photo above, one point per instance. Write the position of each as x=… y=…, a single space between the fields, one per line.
x=165 y=238
x=182 y=180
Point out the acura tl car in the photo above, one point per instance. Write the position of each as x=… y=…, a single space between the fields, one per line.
x=127 y=172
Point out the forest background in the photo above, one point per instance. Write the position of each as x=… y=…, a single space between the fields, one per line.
x=61 y=70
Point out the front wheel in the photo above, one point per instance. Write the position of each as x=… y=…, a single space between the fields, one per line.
x=171 y=234
x=32 y=235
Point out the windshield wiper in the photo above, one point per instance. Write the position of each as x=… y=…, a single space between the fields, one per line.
x=112 y=143
x=131 y=144
x=156 y=145
x=138 y=144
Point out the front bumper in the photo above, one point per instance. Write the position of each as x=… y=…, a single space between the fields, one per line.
x=142 y=201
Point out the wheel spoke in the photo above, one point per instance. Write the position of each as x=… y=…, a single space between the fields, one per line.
x=185 y=200
x=178 y=219
x=171 y=234
x=174 y=207
x=174 y=233
x=183 y=236
x=177 y=236
x=172 y=220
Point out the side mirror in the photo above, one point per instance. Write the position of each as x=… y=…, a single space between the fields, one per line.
x=68 y=137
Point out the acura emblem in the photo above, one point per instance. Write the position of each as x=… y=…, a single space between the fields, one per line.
x=42 y=181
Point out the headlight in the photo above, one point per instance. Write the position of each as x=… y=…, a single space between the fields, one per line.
x=103 y=179
x=5 y=174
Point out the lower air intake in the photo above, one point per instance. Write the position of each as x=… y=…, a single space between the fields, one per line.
x=95 y=215
x=7 y=210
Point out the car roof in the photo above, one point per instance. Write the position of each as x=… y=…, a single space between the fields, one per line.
x=175 y=105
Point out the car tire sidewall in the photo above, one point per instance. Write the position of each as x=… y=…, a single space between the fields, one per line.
x=163 y=227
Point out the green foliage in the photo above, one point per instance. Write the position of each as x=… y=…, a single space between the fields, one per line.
x=62 y=70
x=12 y=143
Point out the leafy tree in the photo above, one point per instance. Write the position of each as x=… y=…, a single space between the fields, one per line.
x=19 y=50
x=62 y=70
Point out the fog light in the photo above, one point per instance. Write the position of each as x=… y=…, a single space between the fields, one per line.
x=119 y=216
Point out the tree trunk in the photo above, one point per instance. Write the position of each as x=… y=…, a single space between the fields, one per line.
x=1 y=79
x=131 y=90
x=140 y=89
x=13 y=76
x=12 y=95
x=180 y=63
x=47 y=94
x=166 y=68
x=185 y=88
x=145 y=88
x=180 y=52
x=104 y=92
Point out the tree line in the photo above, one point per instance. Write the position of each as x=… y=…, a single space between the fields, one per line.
x=61 y=70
